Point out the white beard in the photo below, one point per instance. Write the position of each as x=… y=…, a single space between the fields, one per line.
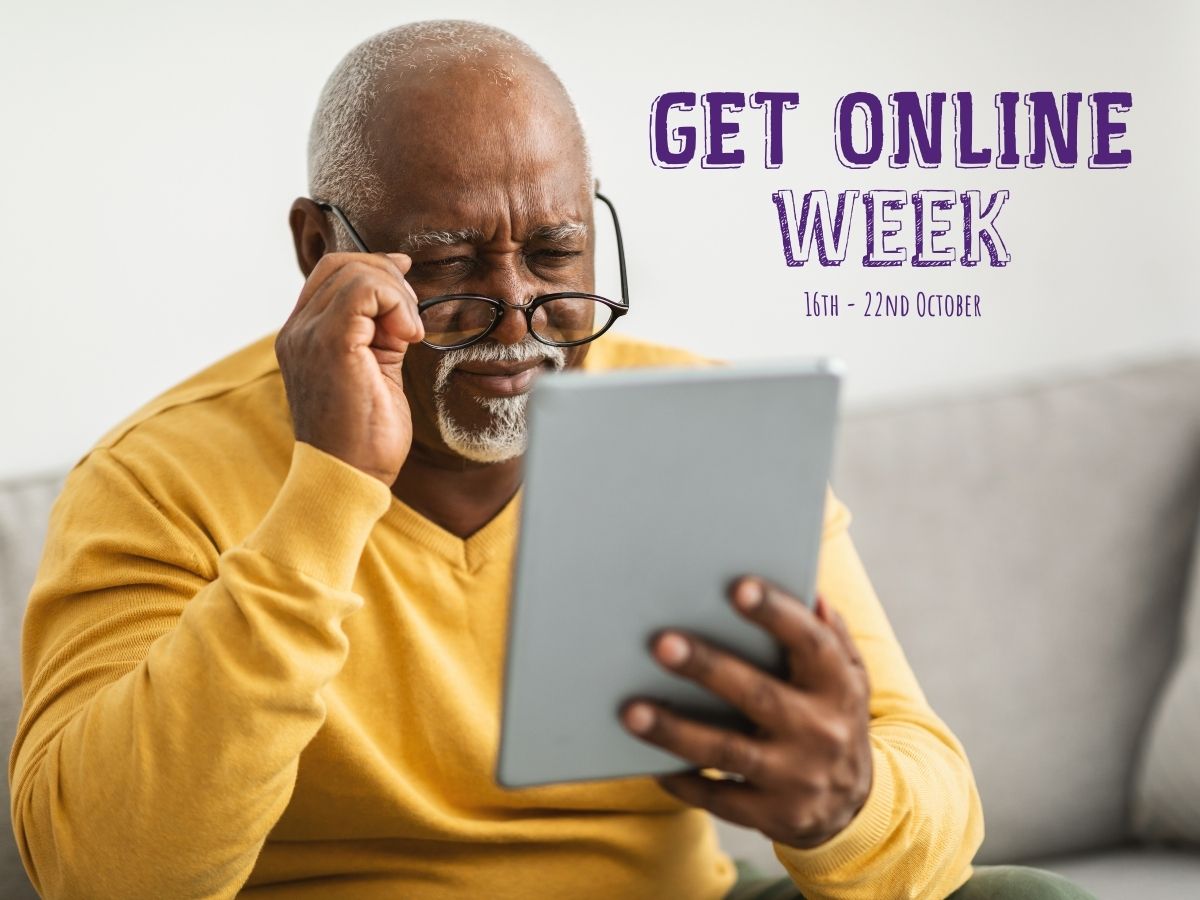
x=506 y=435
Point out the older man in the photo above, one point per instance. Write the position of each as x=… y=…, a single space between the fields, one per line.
x=262 y=656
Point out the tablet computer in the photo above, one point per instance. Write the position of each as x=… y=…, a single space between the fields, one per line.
x=646 y=493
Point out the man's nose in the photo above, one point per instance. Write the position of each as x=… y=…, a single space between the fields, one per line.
x=515 y=291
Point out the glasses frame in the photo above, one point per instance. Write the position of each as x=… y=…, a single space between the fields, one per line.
x=499 y=306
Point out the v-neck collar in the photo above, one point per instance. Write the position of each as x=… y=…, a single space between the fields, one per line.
x=468 y=553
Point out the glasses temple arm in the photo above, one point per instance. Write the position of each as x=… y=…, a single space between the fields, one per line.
x=620 y=247
x=341 y=217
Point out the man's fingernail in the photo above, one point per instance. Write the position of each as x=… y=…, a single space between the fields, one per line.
x=639 y=718
x=673 y=650
x=749 y=596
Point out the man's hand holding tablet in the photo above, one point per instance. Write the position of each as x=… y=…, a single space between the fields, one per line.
x=806 y=771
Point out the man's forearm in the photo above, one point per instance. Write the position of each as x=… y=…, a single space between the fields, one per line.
x=166 y=779
x=917 y=833
x=923 y=820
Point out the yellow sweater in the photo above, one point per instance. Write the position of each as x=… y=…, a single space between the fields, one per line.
x=249 y=669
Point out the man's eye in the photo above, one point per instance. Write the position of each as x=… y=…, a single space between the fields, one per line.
x=551 y=257
x=444 y=265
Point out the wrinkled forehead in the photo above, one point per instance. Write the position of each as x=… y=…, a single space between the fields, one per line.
x=457 y=136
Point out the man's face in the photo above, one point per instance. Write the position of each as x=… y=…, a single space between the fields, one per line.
x=486 y=190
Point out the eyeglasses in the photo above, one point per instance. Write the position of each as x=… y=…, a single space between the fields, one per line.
x=562 y=319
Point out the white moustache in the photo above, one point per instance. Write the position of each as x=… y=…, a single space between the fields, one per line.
x=528 y=348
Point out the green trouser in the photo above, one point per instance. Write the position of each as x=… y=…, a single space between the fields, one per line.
x=988 y=883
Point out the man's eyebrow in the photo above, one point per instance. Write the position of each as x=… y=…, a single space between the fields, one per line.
x=415 y=241
x=439 y=237
x=562 y=233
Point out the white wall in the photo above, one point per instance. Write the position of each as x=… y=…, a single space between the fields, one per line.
x=150 y=152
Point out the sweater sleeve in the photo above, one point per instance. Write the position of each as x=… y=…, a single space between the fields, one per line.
x=922 y=822
x=168 y=693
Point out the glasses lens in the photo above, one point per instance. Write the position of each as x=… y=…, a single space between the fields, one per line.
x=456 y=321
x=575 y=317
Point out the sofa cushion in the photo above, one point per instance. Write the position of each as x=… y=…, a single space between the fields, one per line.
x=1131 y=873
x=24 y=514
x=1031 y=550
x=1167 y=802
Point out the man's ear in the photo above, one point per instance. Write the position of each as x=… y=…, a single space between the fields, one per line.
x=312 y=233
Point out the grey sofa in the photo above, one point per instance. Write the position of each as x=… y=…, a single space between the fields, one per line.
x=1032 y=547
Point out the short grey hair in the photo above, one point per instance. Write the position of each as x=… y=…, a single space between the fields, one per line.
x=341 y=164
